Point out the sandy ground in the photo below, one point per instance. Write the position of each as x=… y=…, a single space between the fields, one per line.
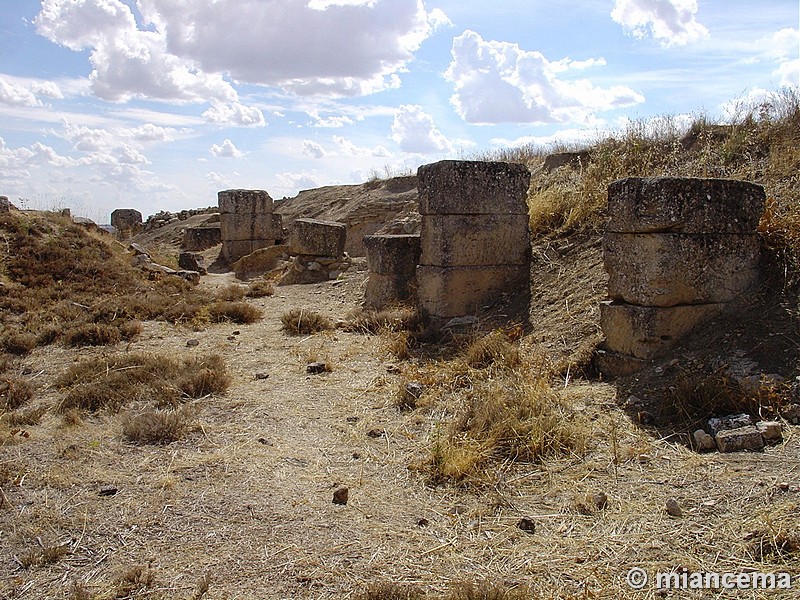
x=247 y=498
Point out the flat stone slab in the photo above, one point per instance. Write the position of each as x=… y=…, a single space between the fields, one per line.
x=738 y=440
x=462 y=187
x=648 y=332
x=684 y=205
x=669 y=269
x=475 y=240
x=244 y=202
x=314 y=237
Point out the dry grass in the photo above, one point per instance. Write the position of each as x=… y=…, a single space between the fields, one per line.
x=45 y=555
x=158 y=426
x=399 y=318
x=15 y=392
x=301 y=321
x=109 y=383
x=260 y=288
x=241 y=313
x=458 y=591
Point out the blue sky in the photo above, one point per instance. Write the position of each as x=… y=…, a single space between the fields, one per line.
x=159 y=104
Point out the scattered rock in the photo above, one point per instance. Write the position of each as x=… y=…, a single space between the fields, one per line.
x=316 y=368
x=673 y=508
x=423 y=522
x=415 y=389
x=791 y=413
x=192 y=343
x=703 y=440
x=527 y=525
x=743 y=438
x=783 y=486
x=352 y=419
x=192 y=261
x=645 y=418
x=771 y=431
x=138 y=250
x=730 y=422
x=376 y=433
x=600 y=500
x=264 y=441
x=108 y=491
x=340 y=496
x=261 y=375
x=461 y=323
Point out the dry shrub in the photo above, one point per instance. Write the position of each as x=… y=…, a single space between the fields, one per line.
x=92 y=334
x=393 y=319
x=260 y=288
x=158 y=427
x=235 y=312
x=135 y=580
x=299 y=321
x=182 y=312
x=19 y=343
x=486 y=591
x=400 y=344
x=109 y=383
x=494 y=349
x=516 y=417
x=231 y=293
x=26 y=418
x=45 y=555
x=15 y=392
x=391 y=591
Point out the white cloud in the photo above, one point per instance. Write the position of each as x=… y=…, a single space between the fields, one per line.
x=348 y=148
x=345 y=48
x=217 y=181
x=235 y=113
x=331 y=122
x=782 y=47
x=415 y=132
x=313 y=149
x=17 y=91
x=671 y=22
x=226 y=150
x=789 y=73
x=291 y=183
x=498 y=82
x=127 y=62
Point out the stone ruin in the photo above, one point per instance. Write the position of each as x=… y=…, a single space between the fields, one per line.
x=392 y=261
x=475 y=238
x=247 y=223
x=197 y=239
x=127 y=222
x=677 y=251
x=317 y=248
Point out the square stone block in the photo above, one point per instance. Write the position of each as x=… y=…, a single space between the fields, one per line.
x=233 y=250
x=475 y=240
x=647 y=332
x=243 y=202
x=384 y=290
x=462 y=187
x=314 y=237
x=738 y=440
x=684 y=205
x=393 y=254
x=255 y=226
x=669 y=269
x=448 y=292
x=200 y=238
x=612 y=364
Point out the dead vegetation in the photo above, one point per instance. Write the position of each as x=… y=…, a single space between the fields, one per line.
x=301 y=321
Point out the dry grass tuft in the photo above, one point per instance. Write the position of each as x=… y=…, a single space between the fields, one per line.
x=45 y=555
x=494 y=349
x=25 y=418
x=15 y=392
x=301 y=321
x=135 y=580
x=393 y=319
x=260 y=288
x=231 y=293
x=158 y=427
x=109 y=383
x=391 y=591
x=19 y=343
x=92 y=334
x=241 y=313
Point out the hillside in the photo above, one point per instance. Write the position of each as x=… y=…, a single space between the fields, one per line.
x=163 y=440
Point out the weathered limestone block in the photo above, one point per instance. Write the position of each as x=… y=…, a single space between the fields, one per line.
x=737 y=440
x=392 y=261
x=201 y=238
x=241 y=202
x=617 y=364
x=261 y=261
x=192 y=261
x=647 y=332
x=448 y=292
x=684 y=205
x=5 y=205
x=318 y=238
x=233 y=250
x=127 y=222
x=457 y=187
x=393 y=254
x=251 y=226
x=475 y=240
x=673 y=268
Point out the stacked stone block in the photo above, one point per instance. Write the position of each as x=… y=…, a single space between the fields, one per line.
x=127 y=222
x=318 y=251
x=677 y=251
x=247 y=223
x=392 y=261
x=475 y=238
x=196 y=239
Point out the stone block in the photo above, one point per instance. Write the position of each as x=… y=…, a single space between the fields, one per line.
x=475 y=240
x=260 y=261
x=192 y=261
x=447 y=292
x=647 y=332
x=127 y=222
x=652 y=269
x=684 y=205
x=771 y=431
x=5 y=205
x=251 y=226
x=612 y=364
x=384 y=290
x=460 y=187
x=201 y=238
x=717 y=424
x=395 y=254
x=318 y=238
x=244 y=202
x=233 y=250
x=737 y=440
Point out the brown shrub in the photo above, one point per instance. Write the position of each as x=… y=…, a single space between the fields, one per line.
x=92 y=334
x=46 y=555
x=157 y=427
x=494 y=349
x=235 y=312
x=299 y=321
x=15 y=392
x=260 y=288
x=25 y=418
x=19 y=342
x=231 y=293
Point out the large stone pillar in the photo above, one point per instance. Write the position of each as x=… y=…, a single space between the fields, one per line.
x=392 y=261
x=127 y=222
x=475 y=238
x=677 y=251
x=247 y=222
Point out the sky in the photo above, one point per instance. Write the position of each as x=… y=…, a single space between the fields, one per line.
x=159 y=104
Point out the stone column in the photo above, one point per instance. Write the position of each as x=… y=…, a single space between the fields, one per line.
x=475 y=237
x=392 y=262
x=677 y=251
x=247 y=222
x=127 y=222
